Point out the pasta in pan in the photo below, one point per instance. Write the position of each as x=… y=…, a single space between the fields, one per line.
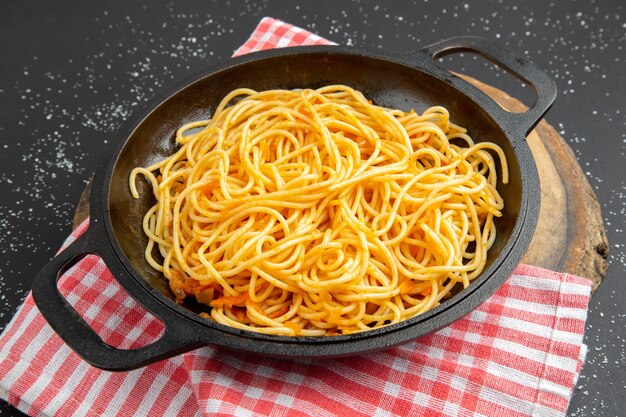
x=315 y=212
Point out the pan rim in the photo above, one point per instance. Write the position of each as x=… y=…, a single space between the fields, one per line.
x=455 y=308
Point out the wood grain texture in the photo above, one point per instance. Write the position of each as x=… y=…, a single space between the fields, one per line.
x=570 y=235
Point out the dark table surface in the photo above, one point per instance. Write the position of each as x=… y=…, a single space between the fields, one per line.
x=72 y=72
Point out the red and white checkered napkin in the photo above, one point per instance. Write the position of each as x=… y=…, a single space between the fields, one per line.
x=518 y=354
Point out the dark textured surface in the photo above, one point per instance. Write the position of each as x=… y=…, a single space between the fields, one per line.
x=71 y=73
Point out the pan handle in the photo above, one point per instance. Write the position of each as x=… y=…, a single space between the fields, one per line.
x=75 y=331
x=543 y=85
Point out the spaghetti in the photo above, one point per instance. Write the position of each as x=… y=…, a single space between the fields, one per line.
x=315 y=212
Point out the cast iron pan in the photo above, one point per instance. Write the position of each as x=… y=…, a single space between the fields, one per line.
x=405 y=81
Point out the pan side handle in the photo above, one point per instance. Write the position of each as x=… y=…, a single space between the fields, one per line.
x=544 y=86
x=77 y=333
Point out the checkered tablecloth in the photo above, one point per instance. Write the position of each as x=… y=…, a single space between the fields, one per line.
x=518 y=354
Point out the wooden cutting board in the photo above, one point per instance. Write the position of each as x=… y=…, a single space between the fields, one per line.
x=570 y=235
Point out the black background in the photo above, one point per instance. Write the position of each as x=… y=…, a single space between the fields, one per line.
x=72 y=72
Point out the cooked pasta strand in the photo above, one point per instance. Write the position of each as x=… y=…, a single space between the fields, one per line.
x=316 y=212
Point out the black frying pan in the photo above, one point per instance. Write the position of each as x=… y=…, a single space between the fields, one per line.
x=404 y=81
